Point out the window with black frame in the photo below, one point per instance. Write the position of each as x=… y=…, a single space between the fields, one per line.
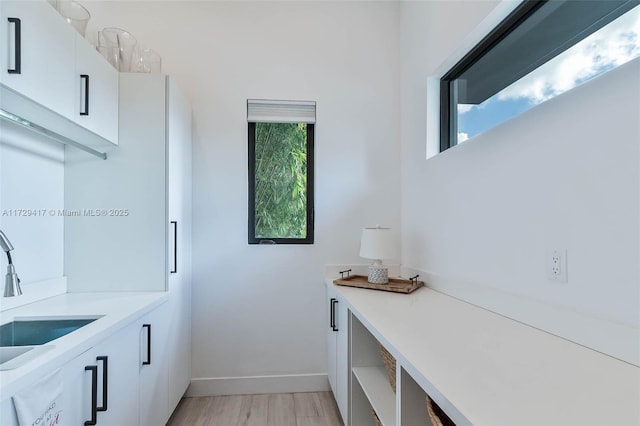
x=542 y=49
x=281 y=172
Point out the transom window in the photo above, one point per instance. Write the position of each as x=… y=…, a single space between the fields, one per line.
x=542 y=49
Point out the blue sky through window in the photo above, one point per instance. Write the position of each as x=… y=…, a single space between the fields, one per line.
x=607 y=48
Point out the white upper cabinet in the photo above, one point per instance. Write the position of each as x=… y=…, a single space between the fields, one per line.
x=96 y=92
x=37 y=54
x=49 y=71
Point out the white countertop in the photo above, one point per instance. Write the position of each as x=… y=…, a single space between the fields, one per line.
x=117 y=310
x=493 y=370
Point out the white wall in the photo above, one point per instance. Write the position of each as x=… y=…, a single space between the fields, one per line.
x=260 y=310
x=564 y=175
x=31 y=178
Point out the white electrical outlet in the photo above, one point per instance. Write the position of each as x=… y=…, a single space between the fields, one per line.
x=557 y=266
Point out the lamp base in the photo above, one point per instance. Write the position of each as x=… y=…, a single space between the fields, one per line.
x=378 y=274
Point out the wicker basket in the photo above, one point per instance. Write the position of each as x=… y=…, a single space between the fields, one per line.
x=389 y=365
x=436 y=415
x=376 y=419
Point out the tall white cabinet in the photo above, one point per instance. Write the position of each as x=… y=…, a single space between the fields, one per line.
x=179 y=249
x=133 y=228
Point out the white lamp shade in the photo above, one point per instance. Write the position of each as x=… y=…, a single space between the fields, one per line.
x=377 y=243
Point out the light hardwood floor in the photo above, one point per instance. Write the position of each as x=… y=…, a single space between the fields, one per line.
x=280 y=409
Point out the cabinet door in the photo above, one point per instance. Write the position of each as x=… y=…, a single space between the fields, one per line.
x=342 y=357
x=153 y=391
x=96 y=92
x=332 y=337
x=117 y=360
x=136 y=242
x=179 y=282
x=45 y=58
x=77 y=395
x=179 y=185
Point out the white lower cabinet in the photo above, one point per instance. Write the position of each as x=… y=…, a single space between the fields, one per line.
x=77 y=398
x=122 y=381
x=116 y=359
x=338 y=351
x=153 y=391
x=112 y=365
x=75 y=405
x=358 y=376
x=130 y=377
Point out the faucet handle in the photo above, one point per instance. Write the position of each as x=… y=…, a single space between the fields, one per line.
x=12 y=283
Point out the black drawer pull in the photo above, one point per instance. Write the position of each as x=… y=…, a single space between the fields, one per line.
x=85 y=77
x=105 y=377
x=332 y=317
x=175 y=247
x=334 y=302
x=148 y=361
x=94 y=394
x=18 y=46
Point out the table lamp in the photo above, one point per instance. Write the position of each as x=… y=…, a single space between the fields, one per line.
x=377 y=244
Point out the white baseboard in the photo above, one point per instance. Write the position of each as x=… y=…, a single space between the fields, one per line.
x=258 y=384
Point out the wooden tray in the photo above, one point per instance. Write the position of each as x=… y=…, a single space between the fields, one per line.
x=396 y=285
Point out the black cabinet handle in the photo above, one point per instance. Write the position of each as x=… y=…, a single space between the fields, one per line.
x=105 y=377
x=94 y=394
x=332 y=314
x=175 y=247
x=85 y=77
x=335 y=326
x=148 y=361
x=18 y=46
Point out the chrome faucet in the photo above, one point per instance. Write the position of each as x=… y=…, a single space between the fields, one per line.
x=12 y=282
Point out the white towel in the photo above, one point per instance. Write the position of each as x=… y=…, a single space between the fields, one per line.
x=41 y=404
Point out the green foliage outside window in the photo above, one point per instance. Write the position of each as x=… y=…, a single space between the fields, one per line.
x=281 y=180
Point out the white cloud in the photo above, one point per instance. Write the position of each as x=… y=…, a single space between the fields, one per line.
x=462 y=108
x=613 y=45
x=462 y=136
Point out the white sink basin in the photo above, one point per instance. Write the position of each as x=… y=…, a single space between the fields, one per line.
x=15 y=356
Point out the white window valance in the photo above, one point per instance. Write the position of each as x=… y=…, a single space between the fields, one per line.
x=274 y=111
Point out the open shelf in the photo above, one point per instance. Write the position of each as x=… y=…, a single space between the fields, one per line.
x=371 y=389
x=375 y=385
x=413 y=402
x=370 y=384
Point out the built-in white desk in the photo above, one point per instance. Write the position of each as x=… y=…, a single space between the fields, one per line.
x=486 y=369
